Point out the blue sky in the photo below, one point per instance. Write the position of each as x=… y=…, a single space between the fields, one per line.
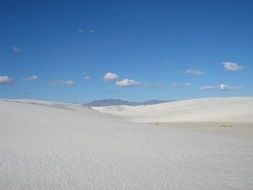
x=78 y=51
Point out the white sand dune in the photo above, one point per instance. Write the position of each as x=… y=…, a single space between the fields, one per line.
x=228 y=109
x=46 y=145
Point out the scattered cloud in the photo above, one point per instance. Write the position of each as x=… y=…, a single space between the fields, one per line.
x=154 y=85
x=64 y=82
x=127 y=83
x=121 y=82
x=221 y=87
x=196 y=72
x=6 y=80
x=177 y=85
x=82 y=30
x=111 y=76
x=161 y=85
x=91 y=31
x=231 y=66
x=87 y=77
x=31 y=78
x=16 y=50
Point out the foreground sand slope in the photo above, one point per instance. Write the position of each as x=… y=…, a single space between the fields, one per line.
x=46 y=145
x=228 y=109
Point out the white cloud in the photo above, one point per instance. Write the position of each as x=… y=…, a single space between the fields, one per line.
x=111 y=76
x=6 y=80
x=208 y=87
x=225 y=87
x=154 y=85
x=31 y=78
x=80 y=30
x=127 y=83
x=87 y=77
x=91 y=31
x=221 y=87
x=16 y=49
x=231 y=66
x=64 y=82
x=121 y=82
x=181 y=84
x=194 y=72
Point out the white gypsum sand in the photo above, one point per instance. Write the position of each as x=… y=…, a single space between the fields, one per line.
x=46 y=145
x=227 y=109
x=228 y=116
x=229 y=129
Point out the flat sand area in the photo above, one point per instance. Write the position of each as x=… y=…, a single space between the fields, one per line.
x=235 y=130
x=53 y=145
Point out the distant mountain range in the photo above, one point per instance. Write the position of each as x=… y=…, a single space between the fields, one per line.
x=115 y=102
